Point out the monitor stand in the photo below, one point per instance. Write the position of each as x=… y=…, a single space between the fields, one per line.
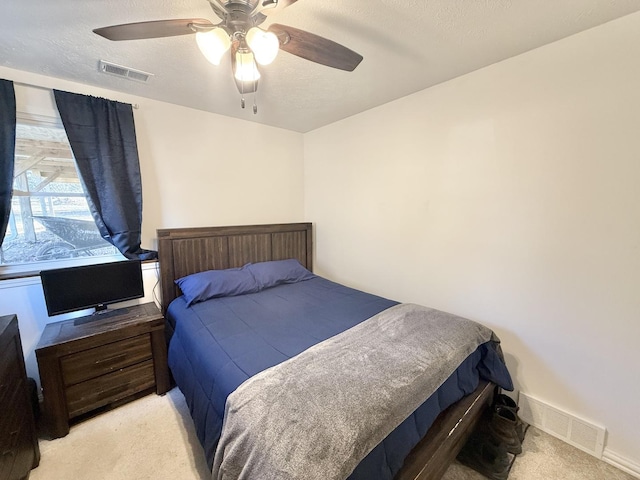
x=101 y=313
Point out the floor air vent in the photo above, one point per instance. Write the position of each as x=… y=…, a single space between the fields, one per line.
x=125 y=72
x=571 y=429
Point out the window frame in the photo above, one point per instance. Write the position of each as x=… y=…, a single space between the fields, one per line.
x=21 y=270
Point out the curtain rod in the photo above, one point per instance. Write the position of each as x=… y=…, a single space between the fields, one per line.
x=23 y=84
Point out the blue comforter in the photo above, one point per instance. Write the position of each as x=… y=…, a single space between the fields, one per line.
x=219 y=343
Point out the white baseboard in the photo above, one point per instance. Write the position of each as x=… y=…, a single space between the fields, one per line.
x=621 y=463
x=588 y=437
x=569 y=428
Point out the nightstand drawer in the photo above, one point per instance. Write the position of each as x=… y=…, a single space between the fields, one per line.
x=97 y=392
x=104 y=359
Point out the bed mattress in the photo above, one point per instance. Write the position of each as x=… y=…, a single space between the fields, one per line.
x=220 y=343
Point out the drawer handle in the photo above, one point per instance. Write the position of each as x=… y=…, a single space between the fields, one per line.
x=110 y=359
x=7 y=453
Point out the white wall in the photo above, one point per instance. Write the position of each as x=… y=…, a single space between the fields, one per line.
x=198 y=169
x=201 y=169
x=510 y=196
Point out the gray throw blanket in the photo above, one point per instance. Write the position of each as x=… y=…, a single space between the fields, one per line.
x=317 y=415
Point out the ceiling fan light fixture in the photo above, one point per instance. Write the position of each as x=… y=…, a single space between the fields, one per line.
x=213 y=44
x=239 y=32
x=246 y=69
x=264 y=45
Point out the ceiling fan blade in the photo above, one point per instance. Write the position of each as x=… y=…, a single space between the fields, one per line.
x=153 y=29
x=279 y=6
x=315 y=48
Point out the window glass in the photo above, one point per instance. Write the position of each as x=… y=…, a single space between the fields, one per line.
x=50 y=218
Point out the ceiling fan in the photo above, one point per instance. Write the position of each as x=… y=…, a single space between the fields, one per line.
x=239 y=31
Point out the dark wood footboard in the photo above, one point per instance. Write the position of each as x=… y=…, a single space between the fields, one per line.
x=430 y=459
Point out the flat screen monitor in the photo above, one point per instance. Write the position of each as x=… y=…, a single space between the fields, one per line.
x=91 y=286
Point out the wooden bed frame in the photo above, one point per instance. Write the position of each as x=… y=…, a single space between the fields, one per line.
x=183 y=251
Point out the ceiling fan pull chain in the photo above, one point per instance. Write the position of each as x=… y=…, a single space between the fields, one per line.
x=255 y=103
x=241 y=90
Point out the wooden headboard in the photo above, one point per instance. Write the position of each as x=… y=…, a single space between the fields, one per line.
x=183 y=251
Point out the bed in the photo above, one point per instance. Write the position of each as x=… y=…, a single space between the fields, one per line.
x=422 y=447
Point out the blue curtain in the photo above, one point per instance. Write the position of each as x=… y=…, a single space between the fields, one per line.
x=7 y=151
x=102 y=136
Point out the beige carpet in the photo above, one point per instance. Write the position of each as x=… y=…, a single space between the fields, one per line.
x=545 y=457
x=153 y=438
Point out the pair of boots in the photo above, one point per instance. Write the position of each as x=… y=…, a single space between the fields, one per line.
x=505 y=426
x=491 y=449
x=482 y=454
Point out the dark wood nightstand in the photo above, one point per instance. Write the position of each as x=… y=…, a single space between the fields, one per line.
x=99 y=361
x=19 y=451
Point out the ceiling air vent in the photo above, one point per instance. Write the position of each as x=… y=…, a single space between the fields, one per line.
x=126 y=72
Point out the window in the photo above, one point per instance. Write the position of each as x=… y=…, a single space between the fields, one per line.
x=50 y=218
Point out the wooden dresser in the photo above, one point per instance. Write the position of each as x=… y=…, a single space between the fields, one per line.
x=104 y=360
x=19 y=451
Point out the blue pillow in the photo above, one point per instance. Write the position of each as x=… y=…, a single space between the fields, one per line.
x=270 y=274
x=202 y=286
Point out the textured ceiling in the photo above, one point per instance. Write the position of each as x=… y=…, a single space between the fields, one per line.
x=407 y=46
